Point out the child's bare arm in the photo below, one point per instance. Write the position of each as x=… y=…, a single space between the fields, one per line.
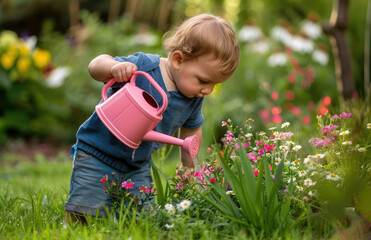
x=104 y=67
x=187 y=161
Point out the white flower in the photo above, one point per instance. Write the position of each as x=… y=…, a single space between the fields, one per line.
x=307 y=161
x=297 y=148
x=249 y=33
x=285 y=125
x=184 y=205
x=368 y=125
x=145 y=38
x=57 y=76
x=347 y=143
x=332 y=177
x=293 y=179
x=277 y=59
x=169 y=226
x=272 y=128
x=230 y=193
x=276 y=134
x=311 y=193
x=281 y=34
x=301 y=45
x=321 y=57
x=319 y=156
x=262 y=133
x=312 y=29
x=247 y=135
x=300 y=188
x=260 y=46
x=284 y=148
x=293 y=168
x=287 y=162
x=302 y=173
x=362 y=149
x=277 y=161
x=170 y=208
x=308 y=182
x=344 y=133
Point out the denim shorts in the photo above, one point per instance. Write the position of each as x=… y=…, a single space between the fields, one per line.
x=86 y=195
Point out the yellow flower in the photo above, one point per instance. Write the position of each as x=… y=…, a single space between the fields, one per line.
x=7 y=61
x=7 y=38
x=41 y=58
x=23 y=49
x=23 y=64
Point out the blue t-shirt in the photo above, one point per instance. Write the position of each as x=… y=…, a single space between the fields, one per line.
x=93 y=136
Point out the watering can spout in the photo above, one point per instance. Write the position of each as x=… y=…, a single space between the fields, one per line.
x=190 y=144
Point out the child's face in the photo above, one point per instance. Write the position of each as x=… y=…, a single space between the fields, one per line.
x=197 y=77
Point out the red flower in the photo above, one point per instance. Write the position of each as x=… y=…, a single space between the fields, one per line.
x=103 y=180
x=212 y=180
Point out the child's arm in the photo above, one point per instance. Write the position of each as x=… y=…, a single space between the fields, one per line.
x=104 y=67
x=187 y=161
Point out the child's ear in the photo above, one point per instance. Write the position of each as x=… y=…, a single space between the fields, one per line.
x=177 y=58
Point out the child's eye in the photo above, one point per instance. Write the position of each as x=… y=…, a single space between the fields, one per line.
x=201 y=81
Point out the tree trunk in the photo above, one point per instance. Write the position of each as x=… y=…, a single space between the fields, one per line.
x=114 y=10
x=336 y=29
x=74 y=11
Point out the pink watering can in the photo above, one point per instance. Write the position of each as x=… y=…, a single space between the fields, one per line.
x=131 y=114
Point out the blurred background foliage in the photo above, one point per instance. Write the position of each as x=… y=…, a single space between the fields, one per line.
x=277 y=80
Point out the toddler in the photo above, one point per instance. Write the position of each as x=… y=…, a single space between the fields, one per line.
x=202 y=52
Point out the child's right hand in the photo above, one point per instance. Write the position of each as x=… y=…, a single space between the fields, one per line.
x=123 y=71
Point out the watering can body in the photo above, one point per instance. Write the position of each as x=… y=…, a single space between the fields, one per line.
x=131 y=114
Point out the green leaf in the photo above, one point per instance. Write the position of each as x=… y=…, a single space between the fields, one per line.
x=161 y=199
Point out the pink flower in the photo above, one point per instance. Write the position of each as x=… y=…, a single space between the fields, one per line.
x=224 y=124
x=103 y=180
x=141 y=188
x=212 y=169
x=261 y=151
x=335 y=117
x=129 y=186
x=212 y=180
x=252 y=156
x=123 y=184
x=285 y=135
x=147 y=190
x=256 y=172
x=258 y=143
x=269 y=148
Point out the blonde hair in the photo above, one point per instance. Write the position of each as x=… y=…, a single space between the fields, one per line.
x=206 y=34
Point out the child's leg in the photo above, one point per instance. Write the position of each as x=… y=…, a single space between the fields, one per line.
x=86 y=195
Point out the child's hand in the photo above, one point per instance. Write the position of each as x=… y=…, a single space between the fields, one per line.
x=123 y=71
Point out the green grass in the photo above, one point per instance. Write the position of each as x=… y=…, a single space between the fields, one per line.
x=32 y=200
x=33 y=194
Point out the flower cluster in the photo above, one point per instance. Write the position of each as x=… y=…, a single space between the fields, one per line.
x=20 y=57
x=120 y=190
x=278 y=146
x=187 y=179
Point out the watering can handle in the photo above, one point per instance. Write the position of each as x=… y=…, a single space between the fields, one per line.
x=153 y=82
